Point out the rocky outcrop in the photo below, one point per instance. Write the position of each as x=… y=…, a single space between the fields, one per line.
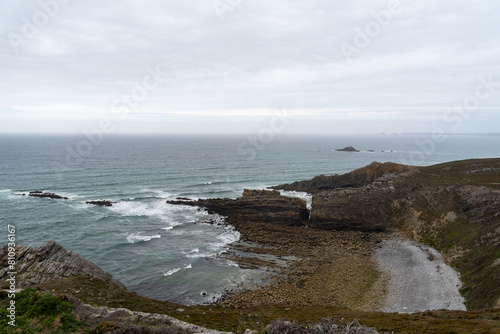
x=347 y=149
x=258 y=206
x=358 y=178
x=101 y=203
x=38 y=193
x=47 y=262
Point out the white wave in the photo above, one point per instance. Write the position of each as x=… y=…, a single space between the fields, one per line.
x=195 y=254
x=189 y=266
x=207 y=183
x=229 y=236
x=79 y=206
x=168 y=228
x=163 y=194
x=171 y=272
x=135 y=237
x=136 y=209
x=201 y=255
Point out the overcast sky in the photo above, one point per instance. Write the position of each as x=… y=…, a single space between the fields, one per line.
x=315 y=66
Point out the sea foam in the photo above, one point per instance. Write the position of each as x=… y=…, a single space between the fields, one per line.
x=136 y=237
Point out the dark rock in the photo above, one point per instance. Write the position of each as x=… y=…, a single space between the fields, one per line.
x=101 y=203
x=38 y=193
x=256 y=205
x=347 y=149
x=183 y=199
x=48 y=262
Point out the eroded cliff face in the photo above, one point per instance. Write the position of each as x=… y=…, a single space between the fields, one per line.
x=454 y=207
x=357 y=178
x=48 y=262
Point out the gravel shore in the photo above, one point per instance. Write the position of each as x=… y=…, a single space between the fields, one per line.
x=419 y=278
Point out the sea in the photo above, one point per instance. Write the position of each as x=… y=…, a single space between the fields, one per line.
x=166 y=251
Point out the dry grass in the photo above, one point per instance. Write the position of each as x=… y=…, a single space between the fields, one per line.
x=326 y=326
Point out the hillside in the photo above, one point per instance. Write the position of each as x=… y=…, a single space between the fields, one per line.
x=454 y=207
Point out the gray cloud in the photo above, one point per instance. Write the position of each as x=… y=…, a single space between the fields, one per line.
x=262 y=55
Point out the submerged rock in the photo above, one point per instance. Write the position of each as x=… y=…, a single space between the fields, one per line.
x=47 y=262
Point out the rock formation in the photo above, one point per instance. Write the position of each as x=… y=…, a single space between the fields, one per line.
x=347 y=149
x=38 y=193
x=101 y=202
x=256 y=205
x=47 y=262
x=355 y=179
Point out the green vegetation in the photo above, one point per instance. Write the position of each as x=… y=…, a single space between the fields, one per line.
x=39 y=313
x=53 y=313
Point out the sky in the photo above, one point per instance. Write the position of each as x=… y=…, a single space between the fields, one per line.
x=231 y=66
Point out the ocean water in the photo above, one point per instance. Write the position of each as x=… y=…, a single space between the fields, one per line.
x=164 y=251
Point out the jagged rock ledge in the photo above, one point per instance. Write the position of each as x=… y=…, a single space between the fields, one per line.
x=48 y=262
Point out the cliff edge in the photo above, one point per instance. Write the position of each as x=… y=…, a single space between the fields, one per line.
x=48 y=262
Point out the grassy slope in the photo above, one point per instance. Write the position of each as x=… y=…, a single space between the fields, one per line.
x=469 y=243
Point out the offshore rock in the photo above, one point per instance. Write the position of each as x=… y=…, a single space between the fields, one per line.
x=38 y=193
x=347 y=149
x=47 y=262
x=101 y=202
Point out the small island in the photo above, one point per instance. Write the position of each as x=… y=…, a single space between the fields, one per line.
x=347 y=149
